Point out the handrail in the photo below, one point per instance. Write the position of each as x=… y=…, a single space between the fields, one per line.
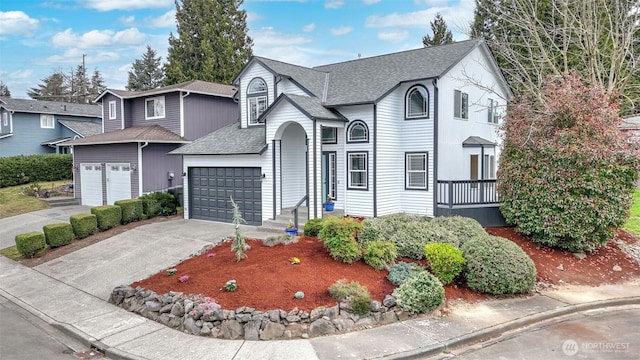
x=295 y=209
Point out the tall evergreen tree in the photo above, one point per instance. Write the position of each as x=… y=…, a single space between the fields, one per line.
x=211 y=43
x=97 y=85
x=146 y=73
x=441 y=34
x=53 y=88
x=4 y=89
x=79 y=85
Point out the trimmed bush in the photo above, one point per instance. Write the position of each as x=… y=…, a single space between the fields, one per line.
x=29 y=244
x=361 y=304
x=338 y=235
x=131 y=210
x=404 y=271
x=464 y=228
x=420 y=294
x=159 y=203
x=108 y=216
x=446 y=261
x=84 y=225
x=497 y=266
x=383 y=227
x=343 y=289
x=59 y=234
x=16 y=170
x=313 y=227
x=380 y=254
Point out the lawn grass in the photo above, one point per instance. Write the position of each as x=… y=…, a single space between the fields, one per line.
x=633 y=223
x=13 y=202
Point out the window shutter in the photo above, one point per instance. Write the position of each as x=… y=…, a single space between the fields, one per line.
x=490 y=111
x=456 y=103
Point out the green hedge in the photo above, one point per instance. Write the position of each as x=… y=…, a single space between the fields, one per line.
x=84 y=225
x=420 y=294
x=159 y=203
x=59 y=234
x=131 y=210
x=17 y=170
x=29 y=244
x=108 y=216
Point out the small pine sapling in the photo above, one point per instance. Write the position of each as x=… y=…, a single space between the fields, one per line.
x=238 y=245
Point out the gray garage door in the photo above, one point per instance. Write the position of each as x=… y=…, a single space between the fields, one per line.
x=211 y=188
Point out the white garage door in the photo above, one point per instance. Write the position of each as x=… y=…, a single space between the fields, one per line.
x=91 y=184
x=118 y=182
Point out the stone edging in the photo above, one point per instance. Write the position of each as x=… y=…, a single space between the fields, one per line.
x=198 y=315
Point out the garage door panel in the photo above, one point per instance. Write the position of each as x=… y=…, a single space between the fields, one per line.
x=91 y=184
x=217 y=185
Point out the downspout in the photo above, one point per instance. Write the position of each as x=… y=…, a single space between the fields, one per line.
x=140 y=147
x=375 y=160
x=182 y=96
x=121 y=114
x=315 y=172
x=435 y=146
x=273 y=175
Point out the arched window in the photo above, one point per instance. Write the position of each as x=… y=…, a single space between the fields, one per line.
x=417 y=103
x=358 y=132
x=256 y=99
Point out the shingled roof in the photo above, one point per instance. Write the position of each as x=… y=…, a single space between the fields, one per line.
x=82 y=128
x=50 y=107
x=152 y=134
x=229 y=140
x=194 y=86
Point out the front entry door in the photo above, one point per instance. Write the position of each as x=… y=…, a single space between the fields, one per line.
x=329 y=176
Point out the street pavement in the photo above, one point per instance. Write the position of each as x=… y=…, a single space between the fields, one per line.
x=71 y=293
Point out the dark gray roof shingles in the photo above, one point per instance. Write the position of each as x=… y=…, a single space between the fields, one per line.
x=196 y=86
x=229 y=140
x=51 y=107
x=83 y=128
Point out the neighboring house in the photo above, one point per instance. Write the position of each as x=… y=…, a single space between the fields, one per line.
x=29 y=127
x=414 y=132
x=130 y=157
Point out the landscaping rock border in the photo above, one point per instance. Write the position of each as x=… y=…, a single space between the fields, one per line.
x=198 y=315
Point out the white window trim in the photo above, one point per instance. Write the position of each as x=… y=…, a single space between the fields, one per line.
x=409 y=171
x=255 y=101
x=425 y=94
x=365 y=171
x=492 y=114
x=460 y=111
x=334 y=134
x=350 y=139
x=44 y=121
x=161 y=100
x=489 y=171
x=113 y=110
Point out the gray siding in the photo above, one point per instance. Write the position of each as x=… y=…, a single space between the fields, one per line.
x=171 y=120
x=156 y=165
x=205 y=114
x=111 y=124
x=102 y=154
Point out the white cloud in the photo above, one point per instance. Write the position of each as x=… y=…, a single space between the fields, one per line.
x=74 y=56
x=102 y=5
x=342 y=30
x=431 y=2
x=333 y=4
x=20 y=74
x=266 y=37
x=370 y=2
x=393 y=36
x=165 y=20
x=98 y=38
x=309 y=28
x=252 y=16
x=17 y=23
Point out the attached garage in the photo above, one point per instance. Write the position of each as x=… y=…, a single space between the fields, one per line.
x=210 y=189
x=91 y=184
x=118 y=182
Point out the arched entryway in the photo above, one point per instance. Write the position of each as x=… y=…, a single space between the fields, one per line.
x=291 y=165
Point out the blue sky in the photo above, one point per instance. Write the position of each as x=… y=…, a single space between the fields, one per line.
x=38 y=37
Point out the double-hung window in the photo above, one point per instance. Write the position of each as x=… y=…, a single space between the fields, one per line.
x=256 y=99
x=417 y=103
x=492 y=114
x=489 y=170
x=47 y=121
x=154 y=108
x=112 y=110
x=460 y=105
x=357 y=170
x=416 y=171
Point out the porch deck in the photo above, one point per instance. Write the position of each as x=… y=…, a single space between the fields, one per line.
x=476 y=199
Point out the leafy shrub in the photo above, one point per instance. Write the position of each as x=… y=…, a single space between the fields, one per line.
x=159 y=203
x=338 y=235
x=404 y=271
x=380 y=254
x=383 y=227
x=420 y=294
x=131 y=210
x=497 y=266
x=284 y=239
x=59 y=234
x=313 y=227
x=16 y=170
x=342 y=289
x=464 y=228
x=361 y=304
x=108 y=216
x=446 y=261
x=567 y=173
x=29 y=244
x=84 y=225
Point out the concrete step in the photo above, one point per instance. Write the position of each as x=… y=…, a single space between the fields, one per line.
x=60 y=201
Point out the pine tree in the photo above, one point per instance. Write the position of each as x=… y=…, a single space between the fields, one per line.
x=97 y=84
x=53 y=88
x=441 y=34
x=4 y=89
x=146 y=73
x=211 y=43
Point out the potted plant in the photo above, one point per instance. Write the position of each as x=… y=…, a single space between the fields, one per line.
x=328 y=205
x=291 y=229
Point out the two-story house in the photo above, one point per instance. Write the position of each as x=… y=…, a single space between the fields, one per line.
x=30 y=127
x=413 y=131
x=140 y=127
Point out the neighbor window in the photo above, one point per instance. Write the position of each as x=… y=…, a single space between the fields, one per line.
x=357 y=132
x=154 y=107
x=416 y=171
x=46 y=121
x=461 y=105
x=417 y=103
x=357 y=168
x=489 y=171
x=492 y=114
x=112 y=110
x=256 y=99
x=5 y=118
x=329 y=135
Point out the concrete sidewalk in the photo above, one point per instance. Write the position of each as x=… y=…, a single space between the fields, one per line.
x=70 y=292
